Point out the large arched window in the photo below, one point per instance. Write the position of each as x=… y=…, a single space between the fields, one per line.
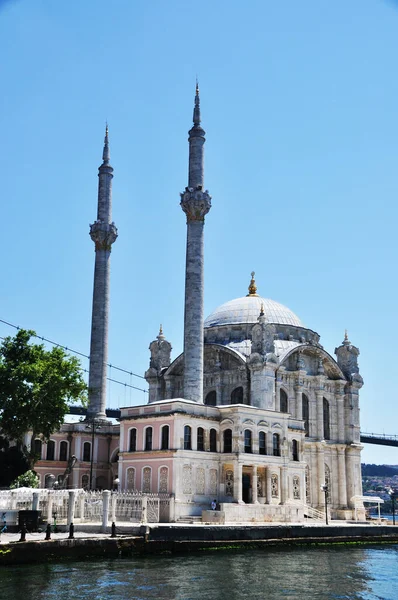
x=130 y=479
x=227 y=435
x=262 y=442
x=276 y=444
x=50 y=450
x=306 y=414
x=148 y=438
x=237 y=395
x=211 y=398
x=133 y=440
x=213 y=440
x=63 y=451
x=326 y=419
x=37 y=444
x=86 y=452
x=284 y=407
x=165 y=437
x=248 y=441
x=200 y=445
x=187 y=438
x=295 y=451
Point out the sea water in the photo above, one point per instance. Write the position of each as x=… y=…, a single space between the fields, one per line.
x=323 y=572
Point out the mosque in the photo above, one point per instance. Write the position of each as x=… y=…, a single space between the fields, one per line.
x=254 y=414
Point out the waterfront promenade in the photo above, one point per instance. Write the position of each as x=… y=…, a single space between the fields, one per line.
x=142 y=539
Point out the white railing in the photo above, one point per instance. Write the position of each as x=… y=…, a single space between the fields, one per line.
x=88 y=507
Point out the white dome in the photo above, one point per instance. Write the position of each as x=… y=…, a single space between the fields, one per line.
x=247 y=310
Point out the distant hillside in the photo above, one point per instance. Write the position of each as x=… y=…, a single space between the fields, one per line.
x=379 y=470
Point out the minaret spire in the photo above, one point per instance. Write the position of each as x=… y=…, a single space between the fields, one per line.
x=196 y=203
x=103 y=232
x=196 y=109
x=106 y=154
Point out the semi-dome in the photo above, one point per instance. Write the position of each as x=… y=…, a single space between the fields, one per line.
x=247 y=309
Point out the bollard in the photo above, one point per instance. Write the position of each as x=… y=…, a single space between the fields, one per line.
x=71 y=532
x=23 y=533
x=113 y=530
x=105 y=510
x=48 y=532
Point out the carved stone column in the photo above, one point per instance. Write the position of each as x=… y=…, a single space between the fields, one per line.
x=283 y=485
x=321 y=469
x=319 y=414
x=268 y=485
x=342 y=477
x=299 y=401
x=340 y=418
x=238 y=483
x=254 y=485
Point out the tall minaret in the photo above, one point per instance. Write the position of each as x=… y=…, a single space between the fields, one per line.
x=196 y=203
x=103 y=233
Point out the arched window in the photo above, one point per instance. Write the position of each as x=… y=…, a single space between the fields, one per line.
x=63 y=451
x=165 y=437
x=248 y=441
x=163 y=480
x=306 y=414
x=227 y=435
x=146 y=480
x=86 y=452
x=50 y=450
x=49 y=481
x=211 y=398
x=187 y=438
x=276 y=444
x=133 y=440
x=85 y=482
x=37 y=444
x=131 y=479
x=237 y=395
x=148 y=438
x=200 y=439
x=295 y=451
x=326 y=419
x=213 y=440
x=284 y=407
x=262 y=442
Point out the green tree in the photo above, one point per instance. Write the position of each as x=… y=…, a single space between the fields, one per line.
x=27 y=479
x=36 y=386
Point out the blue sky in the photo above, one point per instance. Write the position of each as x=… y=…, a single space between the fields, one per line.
x=299 y=102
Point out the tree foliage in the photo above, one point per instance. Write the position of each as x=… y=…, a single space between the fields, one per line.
x=36 y=386
x=13 y=462
x=27 y=479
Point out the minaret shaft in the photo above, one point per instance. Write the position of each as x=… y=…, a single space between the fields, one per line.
x=103 y=233
x=196 y=203
x=193 y=317
x=99 y=336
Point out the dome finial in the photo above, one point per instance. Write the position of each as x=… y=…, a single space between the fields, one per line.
x=160 y=335
x=346 y=341
x=252 y=286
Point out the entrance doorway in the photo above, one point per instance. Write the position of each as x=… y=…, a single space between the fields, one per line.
x=246 y=488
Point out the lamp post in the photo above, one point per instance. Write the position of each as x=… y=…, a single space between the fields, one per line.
x=93 y=426
x=324 y=488
x=392 y=494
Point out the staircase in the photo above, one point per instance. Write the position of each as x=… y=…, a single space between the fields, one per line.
x=311 y=513
x=189 y=520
